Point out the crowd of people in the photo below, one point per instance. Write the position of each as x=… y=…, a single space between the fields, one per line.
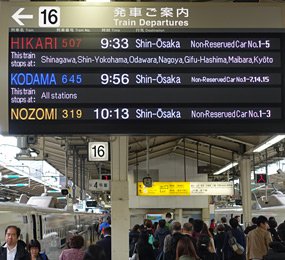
x=168 y=239
x=16 y=249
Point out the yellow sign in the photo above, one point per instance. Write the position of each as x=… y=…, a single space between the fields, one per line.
x=165 y=189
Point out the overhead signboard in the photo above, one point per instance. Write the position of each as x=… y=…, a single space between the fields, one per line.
x=155 y=68
x=185 y=188
x=164 y=189
x=211 y=188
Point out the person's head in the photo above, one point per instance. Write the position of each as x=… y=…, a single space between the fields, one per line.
x=213 y=220
x=108 y=220
x=270 y=218
x=198 y=225
x=12 y=234
x=155 y=225
x=262 y=222
x=272 y=223
x=168 y=217
x=161 y=223
x=107 y=231
x=205 y=229
x=136 y=228
x=237 y=218
x=191 y=221
x=76 y=241
x=220 y=228
x=281 y=231
x=254 y=220
x=148 y=224
x=234 y=222
x=187 y=228
x=95 y=252
x=176 y=226
x=34 y=247
x=185 y=247
x=223 y=220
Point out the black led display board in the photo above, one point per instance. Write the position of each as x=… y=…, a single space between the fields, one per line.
x=140 y=81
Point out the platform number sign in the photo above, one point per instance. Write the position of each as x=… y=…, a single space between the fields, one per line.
x=49 y=16
x=98 y=151
x=99 y=185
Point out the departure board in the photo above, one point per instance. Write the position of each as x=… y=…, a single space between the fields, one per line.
x=145 y=81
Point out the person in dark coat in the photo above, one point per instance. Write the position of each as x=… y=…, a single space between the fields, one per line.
x=240 y=238
x=220 y=240
x=133 y=238
x=13 y=246
x=105 y=243
x=143 y=248
x=277 y=248
x=203 y=245
x=161 y=232
x=34 y=248
x=224 y=222
x=252 y=227
x=272 y=223
x=94 y=252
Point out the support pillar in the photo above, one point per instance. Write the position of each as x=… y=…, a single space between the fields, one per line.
x=245 y=180
x=206 y=215
x=120 y=198
x=179 y=215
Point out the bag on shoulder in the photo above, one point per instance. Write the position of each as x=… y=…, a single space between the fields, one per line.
x=234 y=245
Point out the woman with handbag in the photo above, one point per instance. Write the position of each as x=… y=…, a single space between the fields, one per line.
x=143 y=249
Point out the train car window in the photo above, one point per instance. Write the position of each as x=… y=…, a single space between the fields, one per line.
x=41 y=227
x=25 y=219
x=34 y=227
x=91 y=204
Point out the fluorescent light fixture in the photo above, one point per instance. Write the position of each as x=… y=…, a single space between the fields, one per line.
x=97 y=1
x=227 y=167
x=268 y=143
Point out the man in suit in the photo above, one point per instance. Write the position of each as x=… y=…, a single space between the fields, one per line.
x=13 y=249
x=105 y=243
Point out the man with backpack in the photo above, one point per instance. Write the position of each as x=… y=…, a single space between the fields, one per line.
x=171 y=240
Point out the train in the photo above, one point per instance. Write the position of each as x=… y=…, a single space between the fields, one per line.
x=52 y=227
x=268 y=206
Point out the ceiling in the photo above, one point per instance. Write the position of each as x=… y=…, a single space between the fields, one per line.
x=214 y=150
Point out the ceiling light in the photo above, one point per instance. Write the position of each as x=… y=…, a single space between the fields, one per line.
x=97 y=1
x=268 y=143
x=227 y=167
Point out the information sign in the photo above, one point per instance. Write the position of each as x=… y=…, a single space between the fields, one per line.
x=135 y=68
x=185 y=188
x=165 y=189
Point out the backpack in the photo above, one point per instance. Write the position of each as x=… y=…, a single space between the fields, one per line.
x=234 y=245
